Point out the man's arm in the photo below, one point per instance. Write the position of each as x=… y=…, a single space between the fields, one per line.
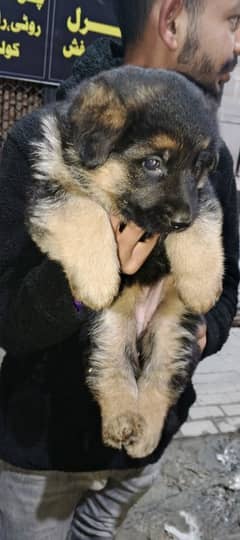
x=219 y=319
x=36 y=307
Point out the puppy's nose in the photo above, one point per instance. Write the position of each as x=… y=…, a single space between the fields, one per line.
x=180 y=222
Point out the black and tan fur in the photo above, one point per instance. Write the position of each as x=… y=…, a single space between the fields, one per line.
x=92 y=158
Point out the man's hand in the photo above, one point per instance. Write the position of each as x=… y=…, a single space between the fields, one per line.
x=202 y=336
x=132 y=252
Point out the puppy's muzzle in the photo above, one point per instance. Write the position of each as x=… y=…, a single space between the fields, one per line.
x=179 y=219
x=172 y=221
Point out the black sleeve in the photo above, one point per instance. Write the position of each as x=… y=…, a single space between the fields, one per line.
x=36 y=306
x=219 y=319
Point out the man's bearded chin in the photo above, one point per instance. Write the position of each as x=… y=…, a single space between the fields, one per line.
x=203 y=73
x=200 y=75
x=229 y=67
x=202 y=69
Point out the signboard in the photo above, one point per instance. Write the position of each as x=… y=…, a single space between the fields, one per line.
x=40 y=39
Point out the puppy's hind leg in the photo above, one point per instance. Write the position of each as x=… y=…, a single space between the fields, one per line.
x=112 y=369
x=168 y=353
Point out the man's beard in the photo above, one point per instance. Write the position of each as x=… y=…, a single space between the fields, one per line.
x=202 y=67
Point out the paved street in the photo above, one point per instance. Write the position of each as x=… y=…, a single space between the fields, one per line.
x=217 y=382
x=196 y=495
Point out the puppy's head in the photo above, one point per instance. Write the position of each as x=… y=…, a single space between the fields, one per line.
x=144 y=141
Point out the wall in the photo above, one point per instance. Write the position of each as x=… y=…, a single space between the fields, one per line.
x=229 y=114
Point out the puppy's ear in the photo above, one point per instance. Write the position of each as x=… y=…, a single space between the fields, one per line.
x=97 y=118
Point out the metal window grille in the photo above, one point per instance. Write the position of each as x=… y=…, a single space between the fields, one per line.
x=17 y=98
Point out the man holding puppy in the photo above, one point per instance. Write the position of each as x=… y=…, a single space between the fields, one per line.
x=92 y=487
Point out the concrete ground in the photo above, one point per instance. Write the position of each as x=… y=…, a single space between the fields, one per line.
x=196 y=496
x=217 y=382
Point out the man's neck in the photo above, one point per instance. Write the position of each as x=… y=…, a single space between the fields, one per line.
x=146 y=55
x=143 y=56
x=134 y=56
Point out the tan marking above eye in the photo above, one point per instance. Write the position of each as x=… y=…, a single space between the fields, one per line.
x=166 y=155
x=163 y=141
x=142 y=150
x=205 y=144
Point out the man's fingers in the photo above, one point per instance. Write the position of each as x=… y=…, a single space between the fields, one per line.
x=131 y=251
x=202 y=336
x=133 y=259
x=130 y=232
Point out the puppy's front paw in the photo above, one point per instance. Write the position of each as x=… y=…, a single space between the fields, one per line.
x=197 y=263
x=78 y=235
x=95 y=290
x=123 y=430
x=199 y=296
x=94 y=274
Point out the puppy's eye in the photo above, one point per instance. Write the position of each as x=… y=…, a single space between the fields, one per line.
x=153 y=164
x=206 y=162
x=198 y=169
x=213 y=163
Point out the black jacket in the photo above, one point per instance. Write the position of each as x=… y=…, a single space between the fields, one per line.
x=48 y=419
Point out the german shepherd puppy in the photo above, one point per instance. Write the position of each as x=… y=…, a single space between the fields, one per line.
x=138 y=143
